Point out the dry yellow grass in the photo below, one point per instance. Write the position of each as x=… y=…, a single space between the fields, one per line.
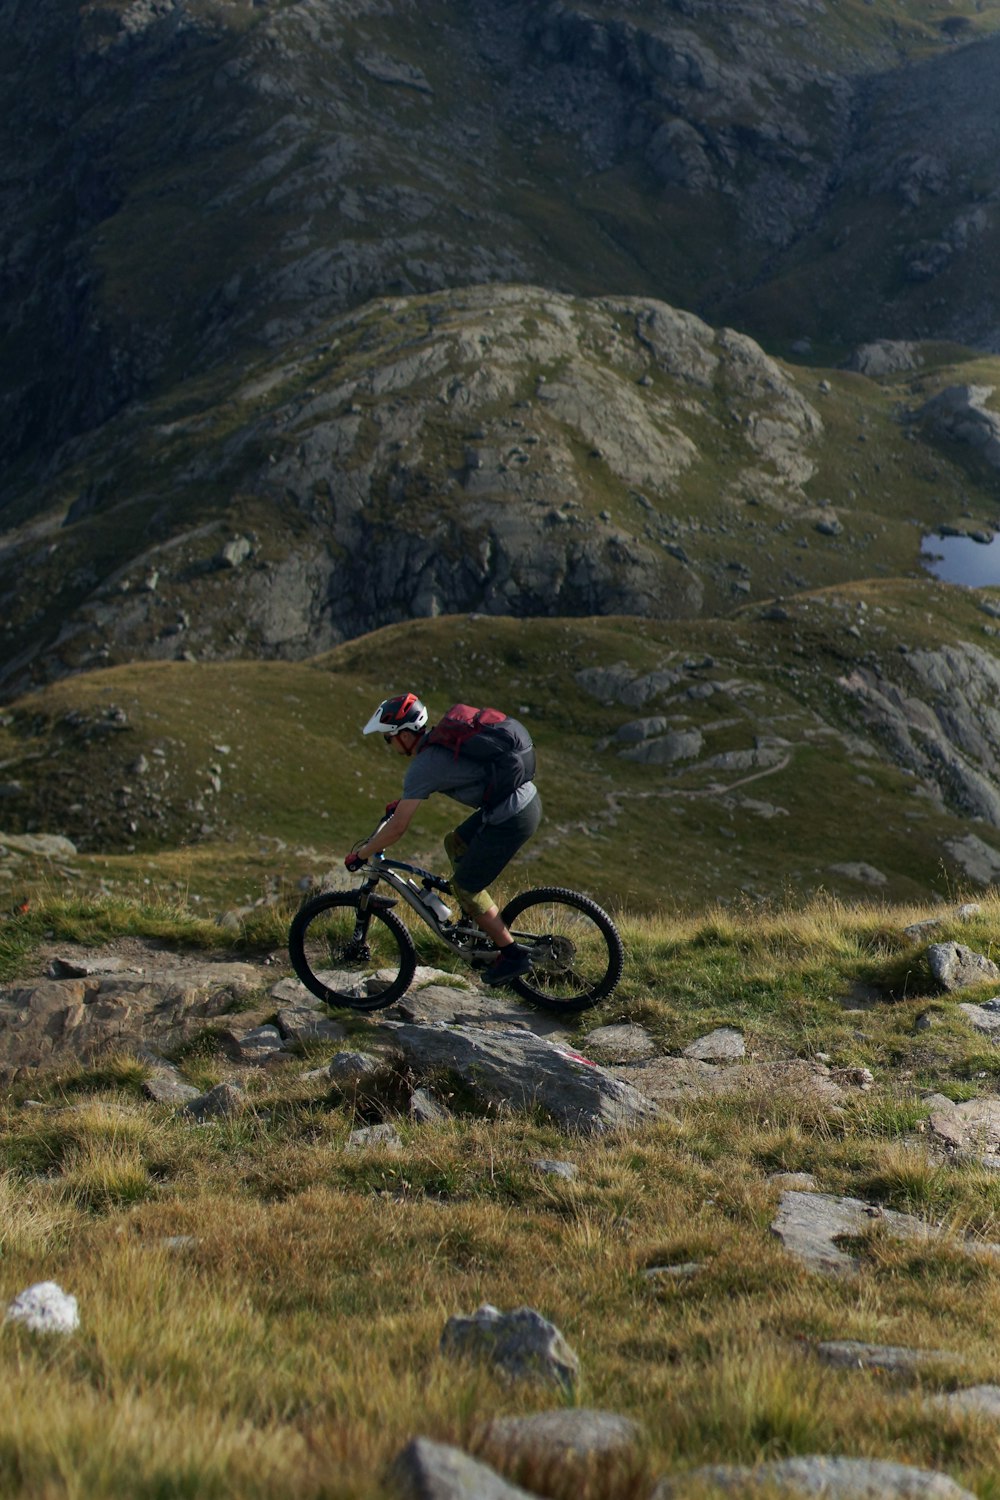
x=261 y=1311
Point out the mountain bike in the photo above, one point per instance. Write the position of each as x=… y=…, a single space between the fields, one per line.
x=350 y=948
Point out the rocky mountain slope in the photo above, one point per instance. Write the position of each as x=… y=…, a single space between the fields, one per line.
x=185 y=180
x=506 y=450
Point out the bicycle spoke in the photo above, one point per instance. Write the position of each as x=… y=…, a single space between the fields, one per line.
x=332 y=960
x=577 y=950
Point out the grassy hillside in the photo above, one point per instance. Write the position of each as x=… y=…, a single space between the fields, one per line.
x=233 y=779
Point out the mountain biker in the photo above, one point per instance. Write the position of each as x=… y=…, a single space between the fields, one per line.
x=480 y=847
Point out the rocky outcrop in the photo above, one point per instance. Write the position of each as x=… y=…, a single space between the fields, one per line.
x=412 y=484
x=959 y=414
x=937 y=715
x=453 y=471
x=53 y=1023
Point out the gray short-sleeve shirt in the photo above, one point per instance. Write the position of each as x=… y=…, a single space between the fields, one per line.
x=438 y=769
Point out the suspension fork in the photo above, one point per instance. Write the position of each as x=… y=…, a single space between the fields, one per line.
x=359 y=938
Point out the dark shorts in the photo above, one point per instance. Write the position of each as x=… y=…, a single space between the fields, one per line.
x=481 y=851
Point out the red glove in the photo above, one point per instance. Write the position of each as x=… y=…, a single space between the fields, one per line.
x=354 y=862
x=390 y=808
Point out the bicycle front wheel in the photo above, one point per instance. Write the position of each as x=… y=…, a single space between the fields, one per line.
x=348 y=957
x=576 y=952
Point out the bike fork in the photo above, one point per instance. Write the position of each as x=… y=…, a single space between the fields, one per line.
x=357 y=947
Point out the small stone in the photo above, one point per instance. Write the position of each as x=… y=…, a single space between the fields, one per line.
x=521 y=1345
x=350 y=1069
x=567 y=1170
x=384 y=1137
x=425 y=1470
x=426 y=1109
x=45 y=1308
x=168 y=1088
x=794 y=1182
x=222 y=1102
x=682 y=1272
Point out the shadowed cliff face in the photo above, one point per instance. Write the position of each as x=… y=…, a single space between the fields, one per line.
x=185 y=181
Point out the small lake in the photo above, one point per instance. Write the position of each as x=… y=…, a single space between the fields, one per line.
x=960 y=559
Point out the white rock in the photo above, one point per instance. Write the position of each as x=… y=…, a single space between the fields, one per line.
x=45 y=1308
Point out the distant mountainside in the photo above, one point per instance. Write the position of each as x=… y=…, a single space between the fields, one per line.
x=185 y=182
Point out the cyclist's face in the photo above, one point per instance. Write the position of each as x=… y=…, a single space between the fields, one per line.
x=404 y=741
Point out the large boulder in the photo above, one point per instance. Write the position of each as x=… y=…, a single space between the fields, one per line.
x=956 y=967
x=508 y=1067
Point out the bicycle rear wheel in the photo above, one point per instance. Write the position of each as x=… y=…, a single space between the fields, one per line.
x=348 y=957
x=577 y=954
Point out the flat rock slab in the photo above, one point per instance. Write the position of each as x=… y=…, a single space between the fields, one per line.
x=956 y=967
x=725 y=1044
x=375 y=1137
x=849 y=1354
x=972 y=1126
x=434 y=1471
x=983 y=1018
x=574 y=1433
x=48 y=845
x=624 y=1043
x=508 y=1066
x=809 y=1224
x=829 y=1478
x=88 y=964
x=669 y=1080
x=974 y=1401
x=450 y=1004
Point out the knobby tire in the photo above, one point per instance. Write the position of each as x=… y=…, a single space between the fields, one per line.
x=319 y=947
x=582 y=954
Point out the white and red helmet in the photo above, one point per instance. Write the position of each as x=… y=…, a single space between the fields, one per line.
x=405 y=711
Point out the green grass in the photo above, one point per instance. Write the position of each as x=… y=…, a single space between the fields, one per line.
x=257 y=778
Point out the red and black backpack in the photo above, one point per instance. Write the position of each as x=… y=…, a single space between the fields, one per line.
x=493 y=739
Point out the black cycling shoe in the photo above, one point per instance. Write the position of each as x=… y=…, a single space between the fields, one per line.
x=510 y=963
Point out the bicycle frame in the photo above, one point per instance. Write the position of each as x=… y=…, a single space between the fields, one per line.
x=463 y=937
